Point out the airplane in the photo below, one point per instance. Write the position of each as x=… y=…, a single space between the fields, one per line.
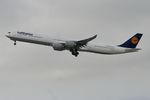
x=76 y=46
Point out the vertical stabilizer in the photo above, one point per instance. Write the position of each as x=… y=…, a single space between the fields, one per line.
x=132 y=42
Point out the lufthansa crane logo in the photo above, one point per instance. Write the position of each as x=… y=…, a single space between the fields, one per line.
x=134 y=40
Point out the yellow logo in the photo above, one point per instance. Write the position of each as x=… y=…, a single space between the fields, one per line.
x=134 y=40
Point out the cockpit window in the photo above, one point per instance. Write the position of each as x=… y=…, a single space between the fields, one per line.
x=24 y=33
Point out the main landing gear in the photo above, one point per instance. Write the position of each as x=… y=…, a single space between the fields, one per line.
x=74 y=52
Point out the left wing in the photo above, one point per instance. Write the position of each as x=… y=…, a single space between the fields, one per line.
x=82 y=43
x=78 y=44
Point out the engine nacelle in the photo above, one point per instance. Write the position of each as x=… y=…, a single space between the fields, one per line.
x=70 y=44
x=58 y=46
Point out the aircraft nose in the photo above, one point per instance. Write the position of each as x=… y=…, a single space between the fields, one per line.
x=8 y=34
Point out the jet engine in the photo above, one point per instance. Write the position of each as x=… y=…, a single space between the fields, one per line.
x=58 y=46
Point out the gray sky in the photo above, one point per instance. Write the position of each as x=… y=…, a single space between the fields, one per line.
x=34 y=72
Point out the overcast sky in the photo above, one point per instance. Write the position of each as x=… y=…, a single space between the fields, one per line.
x=35 y=72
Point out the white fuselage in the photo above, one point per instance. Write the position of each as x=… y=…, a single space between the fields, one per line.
x=44 y=40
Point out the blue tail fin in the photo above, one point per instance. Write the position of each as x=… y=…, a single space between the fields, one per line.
x=132 y=42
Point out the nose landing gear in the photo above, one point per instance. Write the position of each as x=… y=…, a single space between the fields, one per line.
x=14 y=42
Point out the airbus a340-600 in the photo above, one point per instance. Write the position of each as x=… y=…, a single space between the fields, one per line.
x=76 y=46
